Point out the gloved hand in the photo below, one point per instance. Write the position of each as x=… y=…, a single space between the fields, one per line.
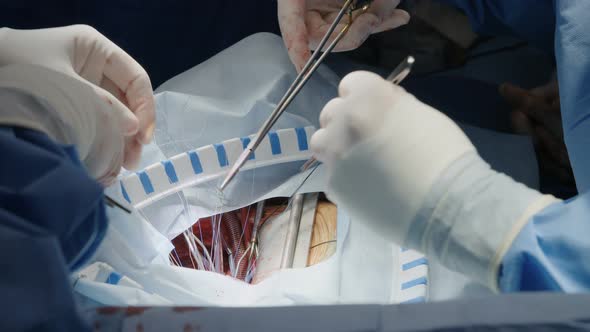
x=68 y=111
x=84 y=54
x=412 y=174
x=304 y=23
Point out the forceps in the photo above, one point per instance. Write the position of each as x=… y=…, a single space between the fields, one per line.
x=349 y=7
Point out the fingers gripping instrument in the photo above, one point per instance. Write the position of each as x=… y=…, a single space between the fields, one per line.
x=348 y=9
x=396 y=77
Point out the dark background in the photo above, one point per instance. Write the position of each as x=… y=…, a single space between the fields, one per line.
x=165 y=37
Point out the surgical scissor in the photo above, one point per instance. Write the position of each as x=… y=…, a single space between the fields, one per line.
x=349 y=7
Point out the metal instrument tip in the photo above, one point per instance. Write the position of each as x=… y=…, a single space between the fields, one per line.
x=235 y=168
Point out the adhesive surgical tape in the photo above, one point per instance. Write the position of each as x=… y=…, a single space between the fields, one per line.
x=213 y=161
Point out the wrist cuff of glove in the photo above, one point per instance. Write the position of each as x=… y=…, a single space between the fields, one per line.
x=471 y=217
x=35 y=98
x=22 y=109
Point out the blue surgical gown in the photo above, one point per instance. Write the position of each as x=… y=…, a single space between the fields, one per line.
x=552 y=251
x=52 y=218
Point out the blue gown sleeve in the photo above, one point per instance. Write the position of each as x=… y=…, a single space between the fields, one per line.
x=530 y=20
x=551 y=252
x=572 y=50
x=52 y=218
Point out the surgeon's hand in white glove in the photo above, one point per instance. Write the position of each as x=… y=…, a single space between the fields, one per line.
x=412 y=174
x=304 y=22
x=117 y=80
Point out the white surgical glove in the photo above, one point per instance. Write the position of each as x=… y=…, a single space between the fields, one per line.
x=304 y=23
x=412 y=174
x=68 y=111
x=87 y=56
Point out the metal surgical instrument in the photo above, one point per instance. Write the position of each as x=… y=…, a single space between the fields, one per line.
x=349 y=7
x=114 y=204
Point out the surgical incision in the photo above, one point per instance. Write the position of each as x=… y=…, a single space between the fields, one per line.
x=228 y=243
